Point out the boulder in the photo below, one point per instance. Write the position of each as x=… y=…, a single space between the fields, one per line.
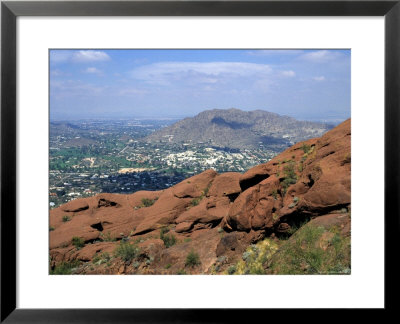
x=256 y=207
x=226 y=184
x=210 y=210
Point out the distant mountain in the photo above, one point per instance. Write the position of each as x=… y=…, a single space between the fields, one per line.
x=234 y=128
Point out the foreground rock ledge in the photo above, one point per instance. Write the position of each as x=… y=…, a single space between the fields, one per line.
x=214 y=216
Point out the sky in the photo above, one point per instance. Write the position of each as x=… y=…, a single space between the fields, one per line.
x=125 y=84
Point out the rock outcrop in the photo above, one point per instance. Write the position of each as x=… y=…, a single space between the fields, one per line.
x=213 y=216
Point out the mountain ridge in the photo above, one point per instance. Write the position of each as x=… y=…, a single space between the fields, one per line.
x=234 y=128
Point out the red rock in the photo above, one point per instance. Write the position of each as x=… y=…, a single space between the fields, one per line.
x=248 y=206
x=166 y=209
x=209 y=210
x=225 y=184
x=341 y=221
x=254 y=176
x=283 y=228
x=183 y=227
x=135 y=199
x=232 y=244
x=169 y=206
x=323 y=183
x=255 y=207
x=151 y=247
x=186 y=190
x=195 y=186
x=204 y=243
x=88 y=252
x=75 y=206
x=109 y=216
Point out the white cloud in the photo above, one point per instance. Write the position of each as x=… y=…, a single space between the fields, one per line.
x=208 y=80
x=263 y=85
x=56 y=72
x=319 y=78
x=132 y=91
x=82 y=56
x=93 y=70
x=207 y=72
x=269 y=52
x=70 y=88
x=288 y=73
x=90 y=56
x=208 y=68
x=320 y=56
x=59 y=56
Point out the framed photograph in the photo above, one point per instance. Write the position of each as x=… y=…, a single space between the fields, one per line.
x=163 y=158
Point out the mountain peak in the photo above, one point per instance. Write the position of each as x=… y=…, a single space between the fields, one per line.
x=238 y=129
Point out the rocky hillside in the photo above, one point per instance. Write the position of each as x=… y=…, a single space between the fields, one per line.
x=234 y=128
x=290 y=215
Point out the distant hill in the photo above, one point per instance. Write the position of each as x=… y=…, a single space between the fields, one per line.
x=234 y=128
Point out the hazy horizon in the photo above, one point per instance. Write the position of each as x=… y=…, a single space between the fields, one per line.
x=172 y=117
x=309 y=85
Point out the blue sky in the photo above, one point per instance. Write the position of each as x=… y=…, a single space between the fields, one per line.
x=305 y=84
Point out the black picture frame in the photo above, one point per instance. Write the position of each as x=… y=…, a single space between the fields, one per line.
x=10 y=10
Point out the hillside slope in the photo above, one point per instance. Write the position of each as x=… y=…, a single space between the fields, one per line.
x=234 y=128
x=205 y=224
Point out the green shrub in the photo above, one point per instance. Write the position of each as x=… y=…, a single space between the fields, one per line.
x=306 y=148
x=65 y=268
x=106 y=256
x=78 y=242
x=288 y=170
x=231 y=270
x=192 y=259
x=102 y=258
x=169 y=240
x=66 y=218
x=196 y=201
x=126 y=251
x=146 y=202
x=300 y=168
x=309 y=252
x=51 y=228
x=164 y=230
x=205 y=191
x=181 y=272
x=107 y=237
x=290 y=176
x=254 y=258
